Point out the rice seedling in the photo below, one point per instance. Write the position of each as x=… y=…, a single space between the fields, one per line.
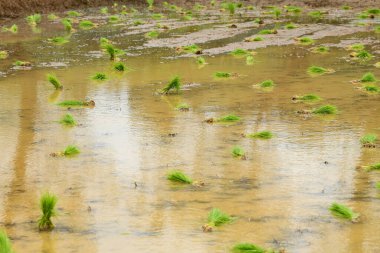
x=119 y=66
x=99 y=77
x=265 y=135
x=343 y=211
x=231 y=8
x=113 y=19
x=378 y=185
x=71 y=150
x=52 y=17
x=248 y=248
x=48 y=202
x=356 y=47
x=13 y=28
x=307 y=98
x=195 y=49
x=174 y=84
x=104 y=10
x=249 y=60
x=373 y=167
x=320 y=49
x=69 y=103
x=315 y=70
x=238 y=152
x=266 y=84
x=377 y=29
x=325 y=109
x=111 y=50
x=371 y=88
x=5 y=243
x=54 y=81
x=68 y=120
x=267 y=31
x=276 y=12
x=58 y=40
x=305 y=41
x=362 y=55
x=187 y=17
x=34 y=19
x=216 y=218
x=3 y=55
x=346 y=7
x=152 y=34
x=138 y=22
x=250 y=7
x=179 y=177
x=368 y=139
x=157 y=16
x=220 y=74
x=67 y=24
x=315 y=14
x=228 y=118
x=200 y=60
x=290 y=26
x=86 y=24
x=373 y=11
x=183 y=107
x=150 y=3
x=240 y=52
x=22 y=64
x=377 y=64
x=73 y=14
x=293 y=9
x=212 y=2
x=368 y=78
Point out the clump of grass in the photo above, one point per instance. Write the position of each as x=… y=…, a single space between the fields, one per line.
x=99 y=77
x=5 y=243
x=73 y=14
x=119 y=66
x=257 y=39
x=371 y=88
x=111 y=50
x=200 y=60
x=276 y=12
x=174 y=84
x=58 y=40
x=67 y=24
x=221 y=74
x=179 y=176
x=293 y=9
x=305 y=41
x=104 y=10
x=138 y=22
x=377 y=64
x=368 y=139
x=248 y=248
x=238 y=152
x=3 y=55
x=315 y=14
x=70 y=103
x=368 y=78
x=320 y=49
x=52 y=17
x=316 y=70
x=34 y=19
x=268 y=31
x=265 y=135
x=290 y=26
x=12 y=29
x=378 y=185
x=152 y=34
x=54 y=81
x=191 y=49
x=71 y=150
x=150 y=3
x=113 y=19
x=216 y=218
x=22 y=64
x=325 y=109
x=183 y=107
x=239 y=52
x=48 y=202
x=68 y=120
x=231 y=7
x=249 y=60
x=307 y=98
x=157 y=16
x=362 y=55
x=343 y=211
x=373 y=167
x=356 y=47
x=228 y=118
x=86 y=24
x=266 y=84
x=373 y=11
x=377 y=29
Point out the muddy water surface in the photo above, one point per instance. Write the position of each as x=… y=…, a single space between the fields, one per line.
x=114 y=196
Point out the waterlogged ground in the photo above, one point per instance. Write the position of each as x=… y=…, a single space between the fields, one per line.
x=114 y=196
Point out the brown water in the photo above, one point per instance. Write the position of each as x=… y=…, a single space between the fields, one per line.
x=281 y=193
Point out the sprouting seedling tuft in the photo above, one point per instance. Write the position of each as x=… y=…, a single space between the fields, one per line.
x=276 y=12
x=315 y=14
x=293 y=9
x=195 y=49
x=179 y=176
x=220 y=74
x=200 y=60
x=346 y=7
x=104 y=10
x=67 y=24
x=157 y=16
x=150 y=3
x=368 y=78
x=48 y=202
x=54 y=81
x=111 y=50
x=240 y=52
x=58 y=40
x=52 y=17
x=305 y=41
x=249 y=60
x=254 y=39
x=290 y=26
x=73 y=14
x=99 y=77
x=372 y=167
x=356 y=47
x=174 y=84
x=113 y=19
x=71 y=150
x=320 y=49
x=266 y=84
x=22 y=64
x=69 y=103
x=3 y=55
x=34 y=19
x=267 y=31
x=325 y=109
x=316 y=70
x=343 y=211
x=378 y=185
x=265 y=135
x=248 y=248
x=119 y=66
x=5 y=243
x=238 y=152
x=12 y=29
x=371 y=88
x=231 y=8
x=183 y=107
x=68 y=120
x=228 y=118
x=138 y=22
x=368 y=139
x=307 y=98
x=152 y=34
x=361 y=55
x=216 y=218
x=86 y=24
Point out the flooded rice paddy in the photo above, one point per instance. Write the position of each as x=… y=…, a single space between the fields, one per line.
x=115 y=197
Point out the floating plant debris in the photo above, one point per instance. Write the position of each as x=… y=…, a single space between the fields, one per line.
x=248 y=248
x=316 y=70
x=59 y=40
x=343 y=211
x=216 y=218
x=68 y=120
x=265 y=135
x=99 y=77
x=179 y=176
x=174 y=84
x=183 y=107
x=48 y=202
x=325 y=109
x=54 y=81
x=70 y=103
x=5 y=243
